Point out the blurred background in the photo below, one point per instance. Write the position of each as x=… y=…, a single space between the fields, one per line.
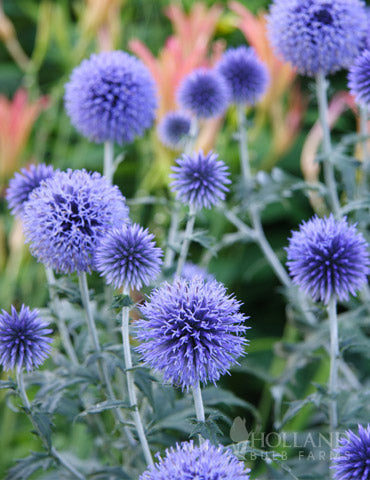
x=41 y=41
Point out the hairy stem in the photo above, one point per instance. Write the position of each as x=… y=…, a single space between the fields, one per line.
x=334 y=356
x=186 y=242
x=198 y=402
x=172 y=236
x=52 y=451
x=131 y=385
x=109 y=160
x=243 y=143
x=321 y=88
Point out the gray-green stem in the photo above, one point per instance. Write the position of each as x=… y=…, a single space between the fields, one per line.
x=321 y=89
x=243 y=142
x=131 y=385
x=52 y=451
x=198 y=402
x=109 y=160
x=103 y=372
x=187 y=239
x=172 y=236
x=334 y=357
x=365 y=150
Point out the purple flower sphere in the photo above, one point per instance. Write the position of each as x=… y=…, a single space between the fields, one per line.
x=245 y=74
x=359 y=78
x=23 y=339
x=353 y=456
x=127 y=256
x=192 y=332
x=111 y=96
x=200 y=180
x=23 y=183
x=66 y=217
x=190 y=270
x=205 y=462
x=328 y=257
x=318 y=35
x=174 y=128
x=205 y=93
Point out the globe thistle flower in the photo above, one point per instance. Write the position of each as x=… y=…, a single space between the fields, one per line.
x=190 y=270
x=23 y=183
x=353 y=456
x=328 y=257
x=111 y=96
x=206 y=462
x=205 y=93
x=200 y=180
x=127 y=256
x=174 y=129
x=193 y=331
x=318 y=35
x=359 y=78
x=245 y=74
x=66 y=217
x=23 y=339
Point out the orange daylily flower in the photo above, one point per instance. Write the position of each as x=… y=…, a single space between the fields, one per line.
x=17 y=117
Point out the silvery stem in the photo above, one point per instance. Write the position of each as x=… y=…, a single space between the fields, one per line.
x=334 y=356
x=243 y=143
x=198 y=402
x=186 y=242
x=131 y=385
x=108 y=171
x=172 y=236
x=321 y=87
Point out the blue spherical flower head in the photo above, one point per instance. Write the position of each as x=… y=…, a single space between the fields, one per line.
x=111 y=96
x=245 y=74
x=127 y=256
x=359 y=78
x=174 y=129
x=353 y=456
x=205 y=93
x=200 y=180
x=23 y=339
x=204 y=462
x=318 y=35
x=190 y=271
x=23 y=183
x=67 y=216
x=193 y=331
x=327 y=258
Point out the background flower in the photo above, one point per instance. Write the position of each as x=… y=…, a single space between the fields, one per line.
x=200 y=180
x=127 y=256
x=193 y=331
x=246 y=76
x=22 y=185
x=353 y=456
x=191 y=270
x=174 y=128
x=205 y=93
x=317 y=35
x=23 y=339
x=206 y=462
x=111 y=96
x=66 y=217
x=359 y=78
x=327 y=257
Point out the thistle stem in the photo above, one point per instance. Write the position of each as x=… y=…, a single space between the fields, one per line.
x=52 y=451
x=62 y=327
x=321 y=88
x=186 y=242
x=334 y=356
x=198 y=402
x=365 y=150
x=109 y=160
x=131 y=385
x=172 y=236
x=103 y=372
x=243 y=144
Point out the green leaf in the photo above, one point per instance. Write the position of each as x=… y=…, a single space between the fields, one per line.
x=43 y=424
x=107 y=405
x=120 y=301
x=144 y=381
x=7 y=384
x=110 y=473
x=208 y=429
x=26 y=467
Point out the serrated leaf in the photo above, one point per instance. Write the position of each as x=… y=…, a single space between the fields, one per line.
x=103 y=406
x=26 y=467
x=120 y=301
x=43 y=424
x=144 y=382
x=296 y=406
x=208 y=429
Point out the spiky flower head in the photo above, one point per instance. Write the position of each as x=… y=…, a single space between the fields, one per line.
x=67 y=216
x=190 y=270
x=200 y=180
x=128 y=257
x=111 y=96
x=327 y=258
x=23 y=339
x=193 y=331
x=245 y=74
x=359 y=78
x=204 y=93
x=23 y=183
x=204 y=462
x=174 y=128
x=352 y=460
x=318 y=35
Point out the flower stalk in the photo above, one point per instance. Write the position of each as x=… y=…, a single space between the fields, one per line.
x=109 y=160
x=187 y=239
x=334 y=357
